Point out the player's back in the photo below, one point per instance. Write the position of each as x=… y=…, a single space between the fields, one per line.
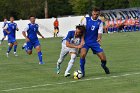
x=92 y=28
x=32 y=31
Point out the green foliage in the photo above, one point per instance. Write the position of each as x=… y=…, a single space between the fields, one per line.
x=81 y=6
x=134 y=3
x=22 y=9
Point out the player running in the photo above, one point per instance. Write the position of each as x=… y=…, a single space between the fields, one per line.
x=4 y=32
x=11 y=29
x=93 y=35
x=70 y=44
x=32 y=39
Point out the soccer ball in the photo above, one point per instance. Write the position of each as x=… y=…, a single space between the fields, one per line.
x=77 y=74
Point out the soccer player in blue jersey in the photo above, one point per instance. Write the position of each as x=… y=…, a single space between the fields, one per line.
x=70 y=44
x=32 y=30
x=92 y=38
x=11 y=29
x=4 y=32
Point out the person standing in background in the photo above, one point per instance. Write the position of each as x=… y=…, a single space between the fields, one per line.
x=56 y=27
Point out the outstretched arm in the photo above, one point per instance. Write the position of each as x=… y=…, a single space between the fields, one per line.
x=40 y=34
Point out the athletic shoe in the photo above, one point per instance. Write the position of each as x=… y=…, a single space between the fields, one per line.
x=41 y=63
x=15 y=54
x=58 y=69
x=66 y=74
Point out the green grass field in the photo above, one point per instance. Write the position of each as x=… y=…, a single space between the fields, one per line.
x=23 y=74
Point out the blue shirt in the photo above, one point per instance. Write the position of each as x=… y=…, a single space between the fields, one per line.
x=93 y=27
x=11 y=27
x=72 y=39
x=32 y=31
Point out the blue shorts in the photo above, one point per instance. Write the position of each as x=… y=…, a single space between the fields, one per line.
x=11 y=40
x=95 y=47
x=5 y=33
x=32 y=44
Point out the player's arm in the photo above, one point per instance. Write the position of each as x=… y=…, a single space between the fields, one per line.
x=68 y=44
x=72 y=45
x=24 y=34
x=100 y=32
x=40 y=34
x=5 y=29
x=17 y=28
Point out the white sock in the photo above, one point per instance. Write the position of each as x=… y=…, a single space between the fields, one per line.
x=70 y=64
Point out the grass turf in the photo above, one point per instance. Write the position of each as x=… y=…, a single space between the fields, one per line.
x=122 y=51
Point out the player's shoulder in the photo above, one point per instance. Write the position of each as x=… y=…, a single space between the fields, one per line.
x=71 y=31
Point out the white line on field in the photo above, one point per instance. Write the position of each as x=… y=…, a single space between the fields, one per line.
x=62 y=83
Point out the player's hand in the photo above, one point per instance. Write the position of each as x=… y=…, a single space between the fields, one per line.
x=79 y=46
x=27 y=39
x=99 y=41
x=43 y=37
x=8 y=32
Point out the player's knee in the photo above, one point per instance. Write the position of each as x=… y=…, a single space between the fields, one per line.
x=83 y=55
x=73 y=57
x=29 y=52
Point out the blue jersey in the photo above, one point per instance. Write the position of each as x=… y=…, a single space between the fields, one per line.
x=72 y=39
x=4 y=32
x=32 y=31
x=92 y=30
x=5 y=24
x=11 y=27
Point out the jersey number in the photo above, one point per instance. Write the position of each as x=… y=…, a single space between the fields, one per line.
x=93 y=27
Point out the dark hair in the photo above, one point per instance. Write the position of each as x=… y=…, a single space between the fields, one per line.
x=96 y=9
x=81 y=28
x=12 y=17
x=31 y=16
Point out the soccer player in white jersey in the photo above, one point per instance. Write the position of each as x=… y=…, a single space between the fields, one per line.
x=70 y=44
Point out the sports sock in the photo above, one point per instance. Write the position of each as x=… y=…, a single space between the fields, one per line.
x=70 y=64
x=15 y=48
x=40 y=56
x=82 y=65
x=9 y=49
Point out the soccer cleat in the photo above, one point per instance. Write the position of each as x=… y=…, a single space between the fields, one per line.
x=15 y=54
x=58 y=68
x=41 y=63
x=23 y=47
x=106 y=70
x=7 y=54
x=66 y=74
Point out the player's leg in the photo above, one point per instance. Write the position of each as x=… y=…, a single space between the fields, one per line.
x=70 y=64
x=37 y=46
x=9 y=49
x=96 y=49
x=63 y=53
x=102 y=57
x=38 y=49
x=5 y=34
x=84 y=51
x=28 y=47
x=15 y=48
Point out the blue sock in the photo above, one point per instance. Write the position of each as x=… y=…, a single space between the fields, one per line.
x=40 y=56
x=26 y=48
x=82 y=65
x=9 y=49
x=15 y=48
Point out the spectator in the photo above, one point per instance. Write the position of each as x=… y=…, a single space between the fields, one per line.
x=56 y=27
